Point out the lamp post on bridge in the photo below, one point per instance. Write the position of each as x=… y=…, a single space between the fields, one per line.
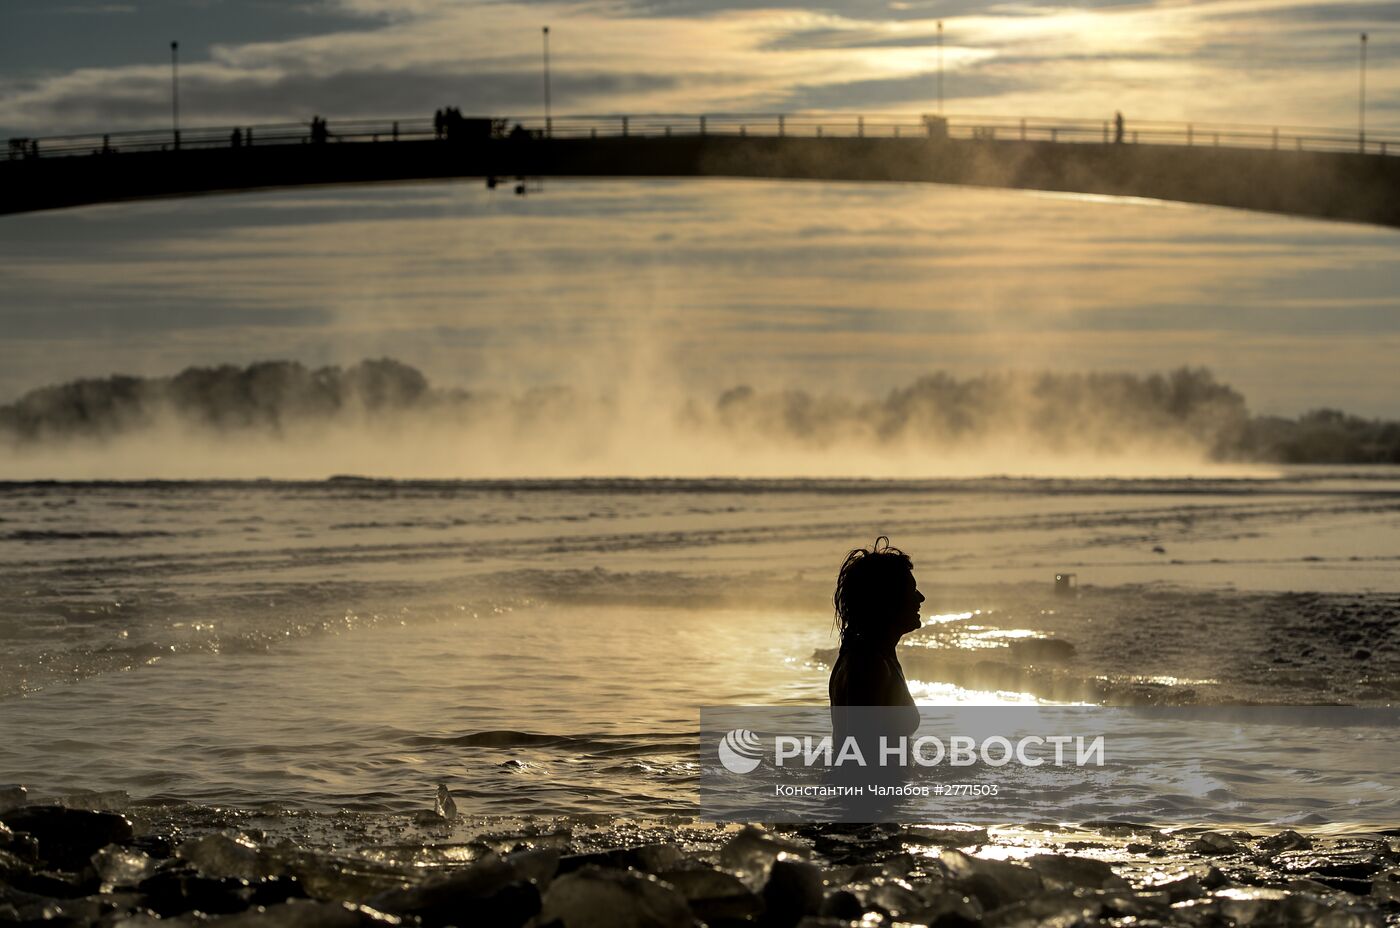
x=175 y=91
x=548 y=120
x=940 y=67
x=1361 y=109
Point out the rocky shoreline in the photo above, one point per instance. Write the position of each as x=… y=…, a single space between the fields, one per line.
x=183 y=865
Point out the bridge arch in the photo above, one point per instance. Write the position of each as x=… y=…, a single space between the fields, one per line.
x=1255 y=170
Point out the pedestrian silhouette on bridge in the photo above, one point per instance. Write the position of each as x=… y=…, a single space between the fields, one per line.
x=452 y=122
x=319 y=132
x=236 y=140
x=1118 y=128
x=439 y=122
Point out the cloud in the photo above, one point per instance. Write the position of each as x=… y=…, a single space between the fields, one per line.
x=1188 y=61
x=852 y=37
x=869 y=10
x=149 y=318
x=211 y=95
x=49 y=37
x=1344 y=12
x=98 y=9
x=884 y=92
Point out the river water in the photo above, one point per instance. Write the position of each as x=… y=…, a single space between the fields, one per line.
x=545 y=647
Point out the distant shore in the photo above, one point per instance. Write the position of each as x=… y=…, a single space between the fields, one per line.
x=1070 y=424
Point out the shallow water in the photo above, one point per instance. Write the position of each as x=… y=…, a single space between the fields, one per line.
x=545 y=648
x=547 y=709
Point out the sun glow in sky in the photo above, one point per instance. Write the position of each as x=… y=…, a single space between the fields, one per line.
x=94 y=66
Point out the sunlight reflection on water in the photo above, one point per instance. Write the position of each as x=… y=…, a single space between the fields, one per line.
x=947 y=694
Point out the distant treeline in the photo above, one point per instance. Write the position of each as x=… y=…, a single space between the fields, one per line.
x=265 y=395
x=1323 y=436
x=1059 y=412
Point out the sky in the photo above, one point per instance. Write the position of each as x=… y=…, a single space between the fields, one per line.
x=103 y=65
x=700 y=284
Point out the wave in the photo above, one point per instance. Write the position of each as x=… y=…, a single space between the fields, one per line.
x=598 y=745
x=95 y=534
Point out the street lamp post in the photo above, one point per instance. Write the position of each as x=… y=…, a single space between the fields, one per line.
x=1361 y=110
x=175 y=90
x=548 y=120
x=940 y=67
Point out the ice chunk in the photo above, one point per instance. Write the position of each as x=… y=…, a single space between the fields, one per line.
x=115 y=800
x=1070 y=872
x=994 y=883
x=794 y=889
x=893 y=897
x=68 y=837
x=1215 y=842
x=22 y=846
x=945 y=836
x=304 y=913
x=176 y=891
x=1386 y=886
x=119 y=866
x=1287 y=840
x=1058 y=909
x=538 y=865
x=491 y=891
x=843 y=904
x=595 y=898
x=446 y=807
x=649 y=858
x=1258 y=905
x=751 y=853
x=714 y=895
x=224 y=855
x=950 y=908
x=1184 y=882
x=12 y=796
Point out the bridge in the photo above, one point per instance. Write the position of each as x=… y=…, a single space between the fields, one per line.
x=1299 y=171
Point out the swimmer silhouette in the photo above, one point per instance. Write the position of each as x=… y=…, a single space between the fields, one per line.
x=877 y=602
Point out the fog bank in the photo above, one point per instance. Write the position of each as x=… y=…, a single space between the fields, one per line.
x=383 y=418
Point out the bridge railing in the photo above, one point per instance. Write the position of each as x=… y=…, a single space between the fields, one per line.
x=1042 y=129
x=812 y=125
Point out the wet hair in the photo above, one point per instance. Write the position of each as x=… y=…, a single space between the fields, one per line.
x=865 y=584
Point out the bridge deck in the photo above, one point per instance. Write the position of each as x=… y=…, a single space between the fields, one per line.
x=1331 y=185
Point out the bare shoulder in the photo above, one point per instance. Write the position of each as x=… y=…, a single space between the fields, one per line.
x=857 y=682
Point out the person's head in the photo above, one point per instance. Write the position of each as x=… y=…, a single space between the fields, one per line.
x=877 y=598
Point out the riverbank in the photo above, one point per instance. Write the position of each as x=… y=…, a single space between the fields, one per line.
x=184 y=865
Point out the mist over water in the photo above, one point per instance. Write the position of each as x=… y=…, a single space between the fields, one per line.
x=383 y=418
